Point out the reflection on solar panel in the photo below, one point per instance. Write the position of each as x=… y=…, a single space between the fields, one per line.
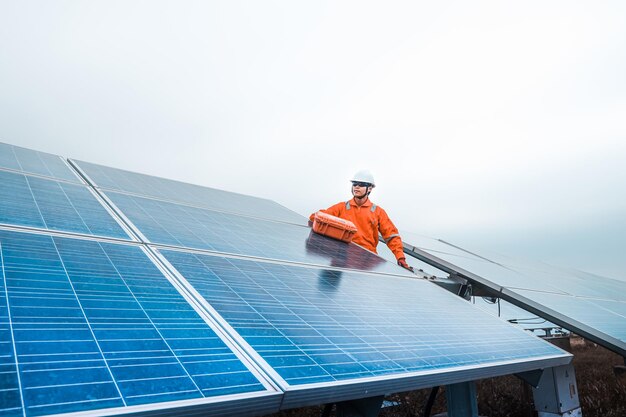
x=179 y=225
x=33 y=162
x=161 y=188
x=97 y=326
x=323 y=326
x=590 y=305
x=54 y=205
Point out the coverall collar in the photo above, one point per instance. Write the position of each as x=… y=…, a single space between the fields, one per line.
x=368 y=203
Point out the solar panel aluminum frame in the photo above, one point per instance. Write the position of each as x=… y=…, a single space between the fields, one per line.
x=79 y=180
x=66 y=234
x=328 y=392
x=120 y=216
x=313 y=394
x=114 y=213
x=80 y=172
x=525 y=303
x=234 y=405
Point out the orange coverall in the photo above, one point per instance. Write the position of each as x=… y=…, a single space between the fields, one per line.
x=369 y=219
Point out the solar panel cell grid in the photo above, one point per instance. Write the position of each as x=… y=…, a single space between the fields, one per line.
x=573 y=282
x=97 y=325
x=165 y=189
x=17 y=205
x=54 y=205
x=7 y=157
x=435 y=246
x=315 y=325
x=34 y=162
x=605 y=315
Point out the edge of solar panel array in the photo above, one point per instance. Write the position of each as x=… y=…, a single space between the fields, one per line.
x=511 y=296
x=330 y=392
x=230 y=405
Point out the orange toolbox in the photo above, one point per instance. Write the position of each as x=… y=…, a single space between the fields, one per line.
x=334 y=227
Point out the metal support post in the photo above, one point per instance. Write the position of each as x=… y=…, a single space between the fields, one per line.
x=461 y=400
x=557 y=393
x=620 y=371
x=364 y=407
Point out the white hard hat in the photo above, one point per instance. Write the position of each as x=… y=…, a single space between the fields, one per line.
x=364 y=176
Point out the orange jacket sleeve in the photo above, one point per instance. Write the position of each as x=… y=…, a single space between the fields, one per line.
x=390 y=234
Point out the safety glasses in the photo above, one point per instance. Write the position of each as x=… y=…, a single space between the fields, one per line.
x=360 y=184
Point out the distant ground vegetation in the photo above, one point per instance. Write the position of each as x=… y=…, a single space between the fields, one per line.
x=602 y=393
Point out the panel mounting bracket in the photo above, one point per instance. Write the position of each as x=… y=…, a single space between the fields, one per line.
x=556 y=395
x=363 y=407
x=532 y=378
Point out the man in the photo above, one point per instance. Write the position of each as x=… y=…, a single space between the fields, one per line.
x=369 y=219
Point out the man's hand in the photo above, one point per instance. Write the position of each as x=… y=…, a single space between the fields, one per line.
x=403 y=264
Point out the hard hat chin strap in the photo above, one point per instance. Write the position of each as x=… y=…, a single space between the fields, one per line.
x=367 y=193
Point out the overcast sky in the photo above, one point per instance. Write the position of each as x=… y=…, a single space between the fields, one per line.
x=488 y=123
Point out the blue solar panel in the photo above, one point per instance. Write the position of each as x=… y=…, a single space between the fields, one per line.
x=179 y=225
x=87 y=325
x=501 y=308
x=92 y=325
x=324 y=326
x=435 y=245
x=513 y=273
x=588 y=304
x=54 y=205
x=607 y=316
x=165 y=189
x=34 y=162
